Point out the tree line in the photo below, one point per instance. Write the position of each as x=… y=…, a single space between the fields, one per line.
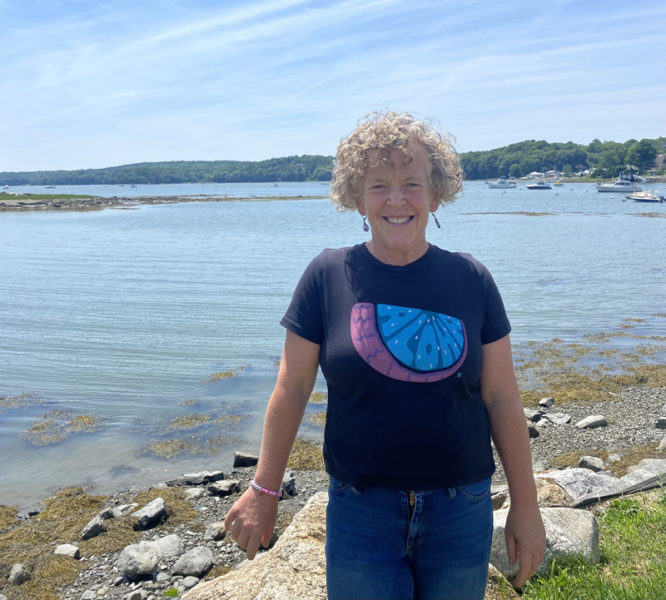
x=288 y=168
x=604 y=159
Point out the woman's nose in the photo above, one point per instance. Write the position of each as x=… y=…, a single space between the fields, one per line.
x=395 y=195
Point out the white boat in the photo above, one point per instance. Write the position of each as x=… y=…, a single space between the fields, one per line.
x=647 y=196
x=502 y=183
x=624 y=183
x=539 y=185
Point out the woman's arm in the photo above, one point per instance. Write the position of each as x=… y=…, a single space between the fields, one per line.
x=252 y=518
x=525 y=535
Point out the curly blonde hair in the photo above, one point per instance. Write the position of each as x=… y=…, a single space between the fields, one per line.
x=372 y=141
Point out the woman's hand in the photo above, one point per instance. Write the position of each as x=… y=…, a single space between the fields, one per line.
x=252 y=520
x=525 y=541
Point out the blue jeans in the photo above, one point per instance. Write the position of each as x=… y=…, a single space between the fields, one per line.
x=386 y=544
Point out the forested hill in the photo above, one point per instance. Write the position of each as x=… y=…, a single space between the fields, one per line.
x=604 y=158
x=515 y=160
x=289 y=168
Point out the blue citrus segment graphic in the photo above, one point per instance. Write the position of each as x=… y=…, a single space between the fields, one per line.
x=408 y=344
x=420 y=339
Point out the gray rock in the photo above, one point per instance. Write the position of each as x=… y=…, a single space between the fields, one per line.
x=190 y=582
x=662 y=445
x=197 y=562
x=169 y=546
x=162 y=577
x=190 y=479
x=150 y=515
x=592 y=463
x=137 y=560
x=532 y=414
x=194 y=493
x=648 y=474
x=215 y=531
x=661 y=423
x=19 y=574
x=136 y=595
x=89 y=595
x=95 y=527
x=224 y=488
x=123 y=509
x=592 y=422
x=558 y=418
x=547 y=402
x=288 y=486
x=243 y=459
x=578 y=483
x=68 y=550
x=570 y=533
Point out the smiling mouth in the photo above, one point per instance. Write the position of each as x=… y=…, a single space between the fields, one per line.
x=398 y=220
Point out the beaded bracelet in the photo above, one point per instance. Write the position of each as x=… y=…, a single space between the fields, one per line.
x=263 y=490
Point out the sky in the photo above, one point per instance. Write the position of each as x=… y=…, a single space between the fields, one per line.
x=99 y=83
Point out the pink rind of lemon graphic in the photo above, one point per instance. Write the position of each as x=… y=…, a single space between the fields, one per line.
x=371 y=348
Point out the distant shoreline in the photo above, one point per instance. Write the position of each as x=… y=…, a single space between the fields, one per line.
x=26 y=202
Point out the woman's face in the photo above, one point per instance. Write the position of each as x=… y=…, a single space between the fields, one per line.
x=397 y=201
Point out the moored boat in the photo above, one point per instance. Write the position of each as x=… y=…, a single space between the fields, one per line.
x=647 y=196
x=539 y=185
x=502 y=183
x=624 y=183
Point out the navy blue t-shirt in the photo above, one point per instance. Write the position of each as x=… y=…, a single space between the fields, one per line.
x=401 y=351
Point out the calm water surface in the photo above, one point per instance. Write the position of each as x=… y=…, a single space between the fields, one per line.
x=126 y=314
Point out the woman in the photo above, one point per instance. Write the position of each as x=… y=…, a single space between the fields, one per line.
x=414 y=344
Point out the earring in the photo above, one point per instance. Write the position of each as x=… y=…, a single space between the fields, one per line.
x=436 y=221
x=366 y=227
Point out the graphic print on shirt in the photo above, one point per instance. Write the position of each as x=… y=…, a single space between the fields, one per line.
x=408 y=344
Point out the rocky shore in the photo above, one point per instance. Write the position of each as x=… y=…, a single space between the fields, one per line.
x=97 y=551
x=18 y=202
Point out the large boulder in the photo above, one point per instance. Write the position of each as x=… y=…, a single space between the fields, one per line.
x=570 y=533
x=295 y=568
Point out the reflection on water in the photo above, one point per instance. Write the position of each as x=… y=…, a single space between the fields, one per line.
x=129 y=315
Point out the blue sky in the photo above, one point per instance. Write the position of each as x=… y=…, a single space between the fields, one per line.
x=97 y=83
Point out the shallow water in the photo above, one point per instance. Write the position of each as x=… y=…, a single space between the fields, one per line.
x=126 y=314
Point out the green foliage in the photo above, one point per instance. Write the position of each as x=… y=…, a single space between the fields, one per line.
x=289 y=168
x=633 y=557
x=642 y=154
x=515 y=160
x=518 y=160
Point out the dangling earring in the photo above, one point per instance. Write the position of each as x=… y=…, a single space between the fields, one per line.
x=365 y=225
x=436 y=221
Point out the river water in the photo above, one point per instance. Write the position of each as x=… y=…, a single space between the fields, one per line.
x=119 y=319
